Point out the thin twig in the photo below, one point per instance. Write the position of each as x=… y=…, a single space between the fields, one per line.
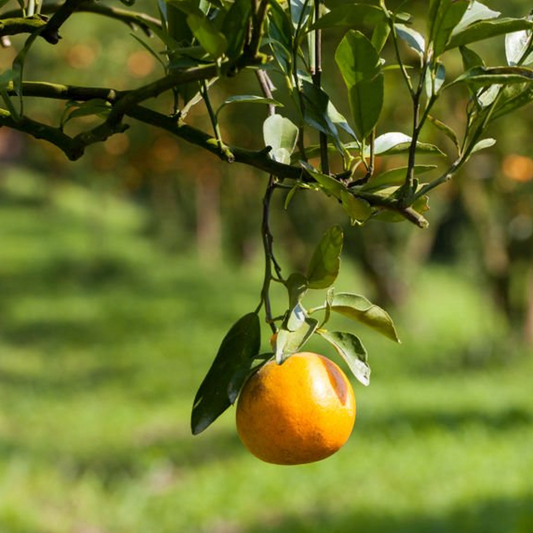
x=212 y=115
x=266 y=87
x=259 y=17
x=316 y=75
x=267 y=248
x=446 y=176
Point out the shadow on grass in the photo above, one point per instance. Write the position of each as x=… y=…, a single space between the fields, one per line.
x=125 y=300
x=420 y=422
x=504 y=515
x=114 y=464
x=67 y=382
x=90 y=273
x=64 y=331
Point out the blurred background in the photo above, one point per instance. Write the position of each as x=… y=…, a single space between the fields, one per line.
x=120 y=274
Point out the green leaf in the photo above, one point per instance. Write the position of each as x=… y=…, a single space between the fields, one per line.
x=289 y=342
x=297 y=286
x=421 y=205
x=358 y=210
x=444 y=128
x=98 y=107
x=487 y=95
x=362 y=310
x=213 y=41
x=17 y=74
x=351 y=349
x=485 y=76
x=485 y=29
x=295 y=318
x=281 y=35
x=248 y=99
x=313 y=150
x=516 y=46
x=359 y=64
x=177 y=26
x=414 y=40
x=476 y=11
x=316 y=106
x=470 y=58
x=444 y=16
x=290 y=195
x=350 y=16
x=150 y=50
x=434 y=79
x=394 y=176
x=481 y=145
x=235 y=27
x=300 y=12
x=396 y=142
x=328 y=184
x=325 y=262
x=380 y=35
x=281 y=134
x=513 y=98
x=227 y=374
x=339 y=120
x=164 y=36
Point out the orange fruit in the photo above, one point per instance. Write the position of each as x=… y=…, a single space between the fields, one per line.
x=298 y=412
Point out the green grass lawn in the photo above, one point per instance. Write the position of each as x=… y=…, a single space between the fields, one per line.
x=104 y=340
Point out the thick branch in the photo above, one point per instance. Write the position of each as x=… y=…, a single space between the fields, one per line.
x=389 y=204
x=19 y=25
x=72 y=148
x=258 y=159
x=255 y=158
x=158 y=87
x=51 y=33
x=67 y=92
x=131 y=18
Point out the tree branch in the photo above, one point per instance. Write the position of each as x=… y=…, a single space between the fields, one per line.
x=72 y=148
x=266 y=87
x=51 y=33
x=316 y=75
x=255 y=158
x=67 y=92
x=131 y=18
x=18 y=25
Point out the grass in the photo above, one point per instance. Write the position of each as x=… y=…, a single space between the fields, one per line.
x=104 y=340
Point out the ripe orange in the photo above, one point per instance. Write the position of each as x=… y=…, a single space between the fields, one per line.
x=298 y=412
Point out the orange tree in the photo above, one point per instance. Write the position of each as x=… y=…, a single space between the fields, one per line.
x=307 y=146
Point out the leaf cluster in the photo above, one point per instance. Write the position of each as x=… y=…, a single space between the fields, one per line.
x=240 y=353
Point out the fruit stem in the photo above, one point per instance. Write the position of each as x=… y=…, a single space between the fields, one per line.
x=270 y=260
